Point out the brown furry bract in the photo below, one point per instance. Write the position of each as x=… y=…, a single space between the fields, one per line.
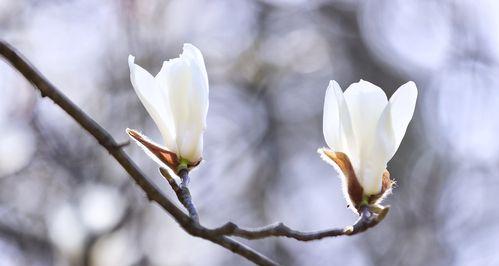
x=351 y=184
x=169 y=158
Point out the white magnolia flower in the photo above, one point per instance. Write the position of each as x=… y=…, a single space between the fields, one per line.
x=177 y=100
x=364 y=130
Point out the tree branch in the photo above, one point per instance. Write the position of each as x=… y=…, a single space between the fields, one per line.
x=182 y=191
x=366 y=220
x=369 y=215
x=106 y=140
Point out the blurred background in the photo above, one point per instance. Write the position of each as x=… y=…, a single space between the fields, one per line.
x=65 y=201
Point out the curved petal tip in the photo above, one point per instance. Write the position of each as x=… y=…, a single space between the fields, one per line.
x=411 y=87
x=131 y=63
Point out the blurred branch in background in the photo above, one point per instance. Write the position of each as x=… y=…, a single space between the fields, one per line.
x=368 y=217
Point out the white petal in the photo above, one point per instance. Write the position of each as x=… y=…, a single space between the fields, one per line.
x=162 y=83
x=402 y=103
x=198 y=152
x=337 y=126
x=372 y=173
x=151 y=97
x=366 y=102
x=197 y=62
x=184 y=84
x=192 y=146
x=198 y=94
x=389 y=134
x=179 y=84
x=376 y=157
x=394 y=121
x=331 y=125
x=187 y=108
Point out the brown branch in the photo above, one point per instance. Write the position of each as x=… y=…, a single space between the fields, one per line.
x=369 y=215
x=106 y=140
x=368 y=218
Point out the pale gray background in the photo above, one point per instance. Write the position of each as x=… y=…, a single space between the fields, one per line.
x=64 y=201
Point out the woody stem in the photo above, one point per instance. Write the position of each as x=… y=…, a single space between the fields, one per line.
x=185 y=195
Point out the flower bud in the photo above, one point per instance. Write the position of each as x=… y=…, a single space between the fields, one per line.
x=363 y=130
x=177 y=100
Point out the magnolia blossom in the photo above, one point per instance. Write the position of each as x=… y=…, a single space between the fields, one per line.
x=363 y=131
x=177 y=100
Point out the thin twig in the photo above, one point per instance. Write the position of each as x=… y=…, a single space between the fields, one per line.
x=186 y=195
x=123 y=144
x=182 y=191
x=171 y=181
x=369 y=217
x=366 y=220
